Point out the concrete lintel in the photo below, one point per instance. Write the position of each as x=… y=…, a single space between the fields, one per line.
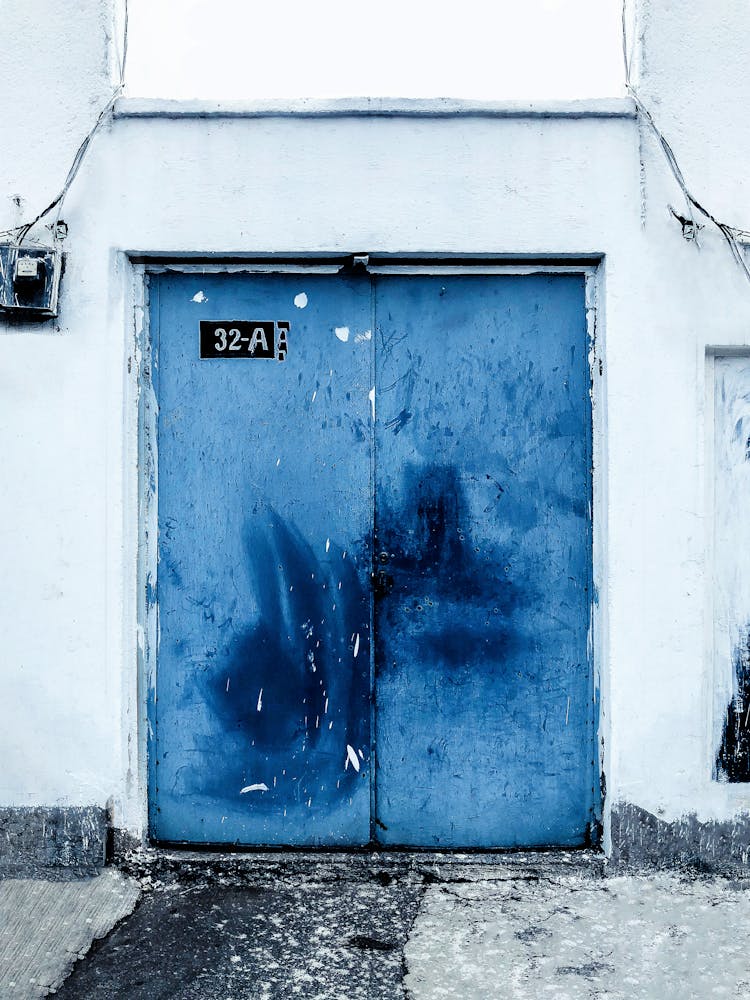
x=374 y=107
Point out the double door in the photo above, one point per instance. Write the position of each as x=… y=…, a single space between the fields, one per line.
x=374 y=560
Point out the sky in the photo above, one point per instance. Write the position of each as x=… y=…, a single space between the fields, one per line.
x=473 y=49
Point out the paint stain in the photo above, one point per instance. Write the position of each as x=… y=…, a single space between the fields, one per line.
x=397 y=424
x=453 y=598
x=733 y=759
x=351 y=758
x=270 y=716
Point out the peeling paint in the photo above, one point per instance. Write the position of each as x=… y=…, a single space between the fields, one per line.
x=731 y=597
x=351 y=758
x=733 y=758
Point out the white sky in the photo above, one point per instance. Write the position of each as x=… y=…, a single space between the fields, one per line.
x=501 y=50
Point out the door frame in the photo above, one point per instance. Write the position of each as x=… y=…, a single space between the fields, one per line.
x=141 y=609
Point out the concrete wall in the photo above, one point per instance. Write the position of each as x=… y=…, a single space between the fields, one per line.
x=60 y=741
x=687 y=300
x=556 y=184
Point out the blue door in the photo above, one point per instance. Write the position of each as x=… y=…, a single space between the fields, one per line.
x=484 y=707
x=397 y=456
x=262 y=712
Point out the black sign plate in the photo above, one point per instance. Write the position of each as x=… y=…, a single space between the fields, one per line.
x=247 y=338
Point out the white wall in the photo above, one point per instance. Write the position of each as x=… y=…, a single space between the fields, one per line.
x=684 y=300
x=57 y=694
x=482 y=185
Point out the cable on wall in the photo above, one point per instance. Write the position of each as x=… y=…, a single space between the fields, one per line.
x=733 y=235
x=20 y=233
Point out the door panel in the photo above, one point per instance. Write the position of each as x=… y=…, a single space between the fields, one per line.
x=262 y=716
x=483 y=486
x=476 y=481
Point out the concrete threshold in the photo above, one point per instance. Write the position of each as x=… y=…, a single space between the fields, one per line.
x=157 y=862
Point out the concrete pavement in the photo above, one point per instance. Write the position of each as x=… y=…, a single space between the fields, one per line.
x=376 y=927
x=658 y=937
x=46 y=926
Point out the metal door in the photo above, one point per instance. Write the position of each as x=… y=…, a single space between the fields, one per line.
x=484 y=720
x=262 y=713
x=458 y=522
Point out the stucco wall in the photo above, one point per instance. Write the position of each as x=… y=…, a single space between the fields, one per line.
x=687 y=300
x=59 y=741
x=510 y=184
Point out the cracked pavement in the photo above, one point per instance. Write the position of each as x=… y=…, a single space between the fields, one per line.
x=408 y=927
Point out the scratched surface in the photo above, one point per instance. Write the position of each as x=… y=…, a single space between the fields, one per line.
x=731 y=591
x=263 y=678
x=480 y=682
x=484 y=699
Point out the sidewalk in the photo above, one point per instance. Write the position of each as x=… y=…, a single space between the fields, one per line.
x=46 y=926
x=360 y=927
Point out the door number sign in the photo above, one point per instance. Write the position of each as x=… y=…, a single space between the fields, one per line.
x=244 y=339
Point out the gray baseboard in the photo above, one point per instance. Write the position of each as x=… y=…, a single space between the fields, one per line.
x=41 y=839
x=642 y=840
x=70 y=840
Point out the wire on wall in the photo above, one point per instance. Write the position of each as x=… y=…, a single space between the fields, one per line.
x=734 y=237
x=21 y=232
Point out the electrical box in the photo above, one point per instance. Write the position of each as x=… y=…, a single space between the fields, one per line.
x=29 y=279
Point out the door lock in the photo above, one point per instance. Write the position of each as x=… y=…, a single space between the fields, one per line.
x=382 y=583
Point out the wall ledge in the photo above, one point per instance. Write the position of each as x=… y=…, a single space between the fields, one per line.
x=374 y=107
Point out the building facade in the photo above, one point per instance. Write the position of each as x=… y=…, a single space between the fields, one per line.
x=559 y=467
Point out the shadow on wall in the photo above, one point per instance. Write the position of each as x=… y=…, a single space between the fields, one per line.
x=733 y=759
